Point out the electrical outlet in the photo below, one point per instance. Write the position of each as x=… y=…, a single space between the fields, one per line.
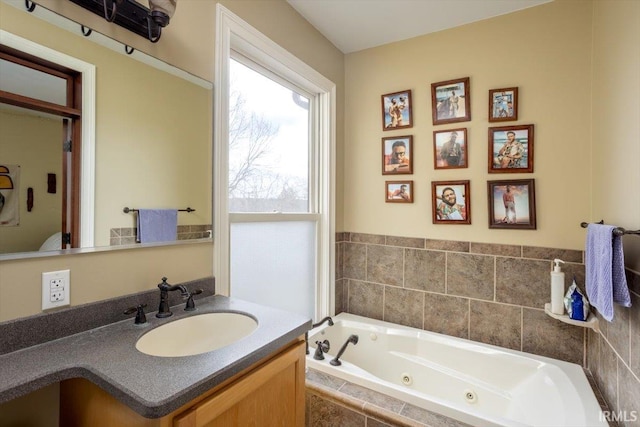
x=55 y=289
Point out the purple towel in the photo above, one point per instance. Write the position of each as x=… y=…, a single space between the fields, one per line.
x=604 y=262
x=157 y=225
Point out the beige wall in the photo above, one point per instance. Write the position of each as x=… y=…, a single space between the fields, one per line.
x=188 y=42
x=546 y=52
x=616 y=120
x=35 y=144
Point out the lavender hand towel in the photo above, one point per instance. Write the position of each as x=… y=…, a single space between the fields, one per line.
x=604 y=262
x=157 y=225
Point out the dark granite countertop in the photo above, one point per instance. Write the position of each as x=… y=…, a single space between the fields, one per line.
x=152 y=386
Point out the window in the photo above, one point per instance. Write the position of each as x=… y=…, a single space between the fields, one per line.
x=273 y=178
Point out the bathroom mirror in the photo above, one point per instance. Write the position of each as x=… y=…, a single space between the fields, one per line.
x=151 y=142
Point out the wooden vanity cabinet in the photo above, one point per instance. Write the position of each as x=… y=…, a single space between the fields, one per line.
x=269 y=393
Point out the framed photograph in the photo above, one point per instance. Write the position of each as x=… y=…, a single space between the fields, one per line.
x=503 y=104
x=511 y=149
x=398 y=191
x=451 y=202
x=512 y=204
x=450 y=149
x=397 y=110
x=450 y=101
x=397 y=156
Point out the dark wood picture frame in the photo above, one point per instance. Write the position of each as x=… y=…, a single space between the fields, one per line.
x=446 y=103
x=392 y=162
x=512 y=204
x=450 y=149
x=503 y=104
x=394 y=192
x=397 y=110
x=446 y=210
x=511 y=149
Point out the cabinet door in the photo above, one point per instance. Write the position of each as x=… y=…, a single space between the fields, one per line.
x=272 y=395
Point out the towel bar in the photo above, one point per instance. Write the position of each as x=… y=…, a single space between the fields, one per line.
x=127 y=210
x=618 y=231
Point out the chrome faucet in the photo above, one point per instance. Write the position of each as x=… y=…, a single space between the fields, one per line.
x=165 y=288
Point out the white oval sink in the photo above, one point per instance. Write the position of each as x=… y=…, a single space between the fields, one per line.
x=196 y=334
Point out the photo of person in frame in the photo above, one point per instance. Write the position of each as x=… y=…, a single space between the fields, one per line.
x=511 y=205
x=450 y=149
x=399 y=191
x=396 y=157
x=503 y=104
x=510 y=149
x=396 y=110
x=451 y=203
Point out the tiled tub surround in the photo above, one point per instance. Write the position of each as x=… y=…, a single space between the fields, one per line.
x=127 y=235
x=493 y=294
x=443 y=370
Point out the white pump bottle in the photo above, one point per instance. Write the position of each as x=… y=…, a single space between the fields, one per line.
x=557 y=288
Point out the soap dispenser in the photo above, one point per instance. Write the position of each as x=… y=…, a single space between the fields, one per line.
x=557 y=288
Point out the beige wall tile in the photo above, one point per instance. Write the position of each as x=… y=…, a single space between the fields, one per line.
x=446 y=315
x=607 y=375
x=339 y=260
x=385 y=264
x=407 y=242
x=634 y=324
x=324 y=413
x=403 y=306
x=367 y=395
x=593 y=350
x=567 y=255
x=496 y=324
x=618 y=332
x=470 y=275
x=355 y=261
x=629 y=398
x=523 y=282
x=368 y=238
x=340 y=296
x=447 y=245
x=496 y=249
x=424 y=270
x=365 y=299
x=543 y=335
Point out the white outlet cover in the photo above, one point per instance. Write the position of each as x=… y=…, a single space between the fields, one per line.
x=56 y=287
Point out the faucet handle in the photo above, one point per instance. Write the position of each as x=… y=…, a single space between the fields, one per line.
x=322 y=347
x=164 y=283
x=191 y=305
x=139 y=310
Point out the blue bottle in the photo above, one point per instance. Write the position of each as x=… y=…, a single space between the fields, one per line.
x=577 y=306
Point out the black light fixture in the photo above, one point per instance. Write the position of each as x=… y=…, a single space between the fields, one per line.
x=135 y=17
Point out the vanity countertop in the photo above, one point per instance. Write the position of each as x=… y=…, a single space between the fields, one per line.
x=152 y=386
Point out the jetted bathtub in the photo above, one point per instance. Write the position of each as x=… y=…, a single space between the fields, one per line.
x=479 y=384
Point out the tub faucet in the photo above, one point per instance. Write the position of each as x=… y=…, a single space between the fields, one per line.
x=165 y=288
x=352 y=339
x=321 y=348
x=327 y=319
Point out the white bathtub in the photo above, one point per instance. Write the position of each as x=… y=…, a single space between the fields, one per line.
x=479 y=384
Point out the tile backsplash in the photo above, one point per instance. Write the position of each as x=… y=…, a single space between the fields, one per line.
x=491 y=293
x=127 y=235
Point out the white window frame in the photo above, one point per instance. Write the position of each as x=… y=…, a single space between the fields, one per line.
x=233 y=33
